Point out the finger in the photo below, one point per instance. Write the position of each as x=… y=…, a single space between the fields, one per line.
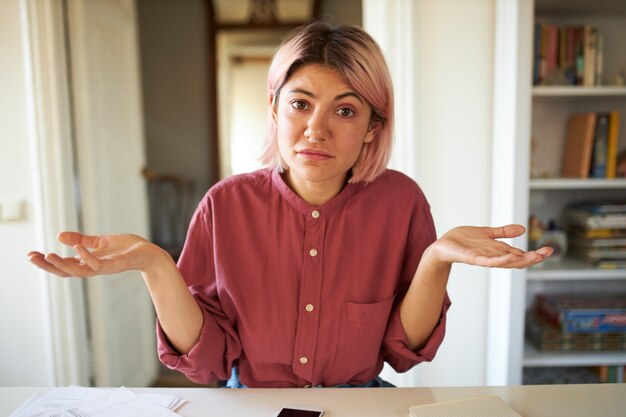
x=495 y=261
x=75 y=238
x=38 y=260
x=93 y=262
x=528 y=260
x=508 y=231
x=545 y=251
x=69 y=266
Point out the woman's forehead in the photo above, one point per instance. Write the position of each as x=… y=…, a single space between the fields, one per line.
x=318 y=78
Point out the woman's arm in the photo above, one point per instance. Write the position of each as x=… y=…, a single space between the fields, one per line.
x=177 y=310
x=421 y=307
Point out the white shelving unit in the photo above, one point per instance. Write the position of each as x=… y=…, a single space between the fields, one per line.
x=551 y=105
x=536 y=358
x=529 y=131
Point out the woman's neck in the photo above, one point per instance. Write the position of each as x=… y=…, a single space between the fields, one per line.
x=315 y=193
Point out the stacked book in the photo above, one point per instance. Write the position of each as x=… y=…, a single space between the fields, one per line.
x=597 y=233
x=567 y=55
x=586 y=322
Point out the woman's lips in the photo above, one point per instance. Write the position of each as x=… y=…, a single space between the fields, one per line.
x=314 y=154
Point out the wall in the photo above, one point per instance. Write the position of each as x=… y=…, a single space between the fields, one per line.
x=444 y=60
x=455 y=55
x=175 y=81
x=25 y=347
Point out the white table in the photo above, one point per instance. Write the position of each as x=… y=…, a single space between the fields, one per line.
x=593 y=400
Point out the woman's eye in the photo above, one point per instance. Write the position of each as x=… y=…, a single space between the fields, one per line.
x=299 y=105
x=345 y=112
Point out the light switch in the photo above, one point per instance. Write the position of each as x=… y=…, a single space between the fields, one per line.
x=12 y=210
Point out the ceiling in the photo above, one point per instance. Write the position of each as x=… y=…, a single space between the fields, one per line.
x=238 y=11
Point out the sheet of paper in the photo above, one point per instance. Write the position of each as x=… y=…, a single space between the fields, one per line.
x=490 y=406
x=93 y=402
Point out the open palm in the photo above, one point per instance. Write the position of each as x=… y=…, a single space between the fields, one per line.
x=479 y=246
x=96 y=255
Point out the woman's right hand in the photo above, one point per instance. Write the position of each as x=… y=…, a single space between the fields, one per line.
x=99 y=255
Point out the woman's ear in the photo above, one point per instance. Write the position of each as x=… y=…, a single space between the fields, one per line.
x=272 y=104
x=372 y=130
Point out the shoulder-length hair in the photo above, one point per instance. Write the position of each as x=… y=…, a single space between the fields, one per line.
x=359 y=60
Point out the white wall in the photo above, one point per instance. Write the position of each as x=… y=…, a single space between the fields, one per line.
x=24 y=351
x=450 y=88
x=455 y=55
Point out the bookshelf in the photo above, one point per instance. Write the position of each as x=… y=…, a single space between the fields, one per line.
x=529 y=138
x=548 y=193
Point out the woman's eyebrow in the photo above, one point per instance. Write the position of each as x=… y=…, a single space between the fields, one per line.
x=349 y=94
x=339 y=97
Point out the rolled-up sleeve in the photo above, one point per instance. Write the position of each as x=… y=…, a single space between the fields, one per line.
x=396 y=349
x=218 y=345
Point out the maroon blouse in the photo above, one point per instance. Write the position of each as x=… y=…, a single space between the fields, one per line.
x=297 y=295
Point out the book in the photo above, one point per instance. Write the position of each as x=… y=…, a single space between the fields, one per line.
x=597 y=243
x=594 y=255
x=602 y=206
x=487 y=406
x=578 y=145
x=600 y=145
x=585 y=313
x=610 y=264
x=553 y=50
x=611 y=148
x=599 y=70
x=548 y=337
x=570 y=55
x=596 y=233
x=590 y=39
x=579 y=54
x=536 y=56
x=590 y=220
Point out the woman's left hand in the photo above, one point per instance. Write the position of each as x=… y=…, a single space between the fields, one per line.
x=478 y=246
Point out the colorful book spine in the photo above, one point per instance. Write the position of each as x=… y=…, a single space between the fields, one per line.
x=589 y=55
x=612 y=143
x=600 y=147
x=583 y=314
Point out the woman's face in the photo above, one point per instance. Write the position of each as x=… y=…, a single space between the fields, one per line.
x=321 y=125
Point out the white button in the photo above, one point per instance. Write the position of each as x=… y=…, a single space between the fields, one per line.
x=315 y=214
x=304 y=360
x=309 y=307
x=313 y=252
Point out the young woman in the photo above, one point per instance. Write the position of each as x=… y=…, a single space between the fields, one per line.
x=317 y=269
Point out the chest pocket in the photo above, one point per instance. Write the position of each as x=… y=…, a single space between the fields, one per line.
x=361 y=334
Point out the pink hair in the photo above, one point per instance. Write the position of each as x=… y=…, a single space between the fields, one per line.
x=358 y=58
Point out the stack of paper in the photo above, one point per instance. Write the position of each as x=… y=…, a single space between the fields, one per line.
x=95 y=402
x=490 y=406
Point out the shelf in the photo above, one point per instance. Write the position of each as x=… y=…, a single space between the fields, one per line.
x=571 y=269
x=580 y=7
x=578 y=91
x=534 y=357
x=577 y=184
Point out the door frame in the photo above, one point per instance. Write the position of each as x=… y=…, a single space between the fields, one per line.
x=509 y=185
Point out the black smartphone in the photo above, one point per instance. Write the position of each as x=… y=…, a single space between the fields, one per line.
x=300 y=411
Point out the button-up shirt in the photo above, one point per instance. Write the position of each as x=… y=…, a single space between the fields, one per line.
x=296 y=295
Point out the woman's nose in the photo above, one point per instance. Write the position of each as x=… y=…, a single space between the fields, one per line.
x=317 y=129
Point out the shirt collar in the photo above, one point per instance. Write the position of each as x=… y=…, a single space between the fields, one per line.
x=305 y=207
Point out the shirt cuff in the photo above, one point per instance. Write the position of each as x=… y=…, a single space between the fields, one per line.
x=396 y=345
x=207 y=361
